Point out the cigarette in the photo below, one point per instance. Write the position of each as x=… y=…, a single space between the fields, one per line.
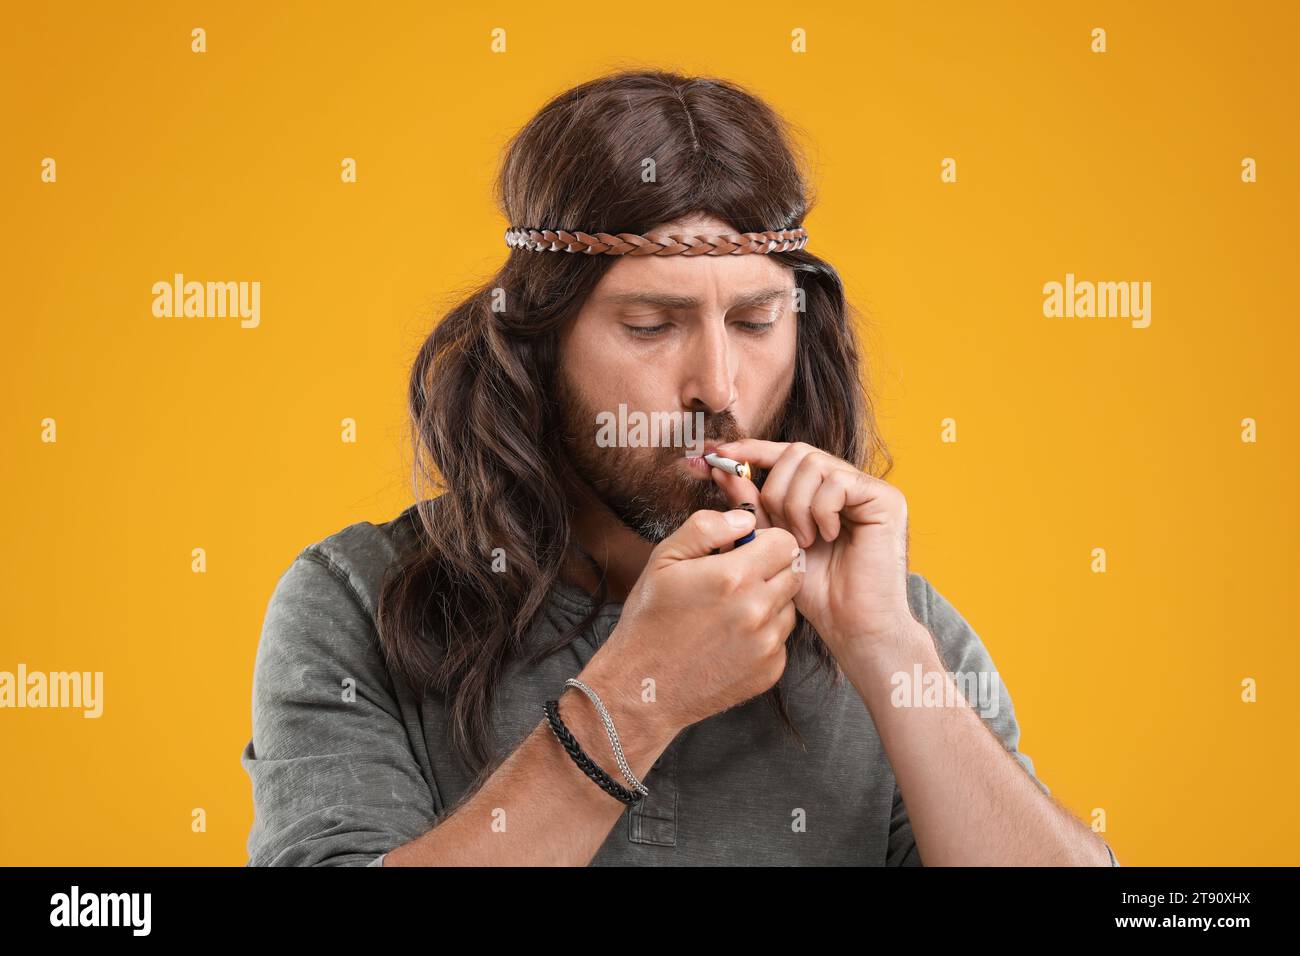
x=730 y=465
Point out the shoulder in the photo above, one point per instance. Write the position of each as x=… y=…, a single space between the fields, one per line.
x=358 y=556
x=959 y=646
x=970 y=664
x=324 y=603
x=320 y=622
x=957 y=640
x=958 y=643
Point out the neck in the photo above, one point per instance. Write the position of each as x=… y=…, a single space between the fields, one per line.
x=617 y=549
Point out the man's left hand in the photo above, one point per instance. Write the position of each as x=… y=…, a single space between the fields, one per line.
x=852 y=528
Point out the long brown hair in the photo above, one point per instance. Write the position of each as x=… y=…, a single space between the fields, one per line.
x=484 y=420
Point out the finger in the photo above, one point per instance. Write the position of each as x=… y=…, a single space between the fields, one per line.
x=807 y=479
x=756 y=451
x=829 y=501
x=866 y=497
x=741 y=491
x=783 y=623
x=778 y=480
x=700 y=534
x=783 y=586
x=771 y=551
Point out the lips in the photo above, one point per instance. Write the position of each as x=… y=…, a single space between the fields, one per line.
x=709 y=448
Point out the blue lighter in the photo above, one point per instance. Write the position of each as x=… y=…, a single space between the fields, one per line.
x=746 y=506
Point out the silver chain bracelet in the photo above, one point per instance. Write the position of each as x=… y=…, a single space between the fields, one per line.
x=608 y=721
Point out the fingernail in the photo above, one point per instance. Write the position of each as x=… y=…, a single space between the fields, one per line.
x=737 y=519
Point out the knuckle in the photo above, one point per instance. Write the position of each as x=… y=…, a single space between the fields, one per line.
x=778 y=663
x=782 y=540
x=703 y=520
x=731 y=579
x=896 y=501
x=750 y=616
x=793 y=587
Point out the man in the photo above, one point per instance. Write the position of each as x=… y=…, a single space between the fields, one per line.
x=791 y=700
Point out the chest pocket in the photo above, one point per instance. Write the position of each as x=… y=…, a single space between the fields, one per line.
x=654 y=819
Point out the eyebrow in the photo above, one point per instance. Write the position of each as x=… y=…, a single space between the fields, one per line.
x=669 y=300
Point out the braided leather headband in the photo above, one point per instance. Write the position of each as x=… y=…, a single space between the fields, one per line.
x=631 y=244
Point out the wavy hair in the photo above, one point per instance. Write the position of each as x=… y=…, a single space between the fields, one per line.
x=483 y=414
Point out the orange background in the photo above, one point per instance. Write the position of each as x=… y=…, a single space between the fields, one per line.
x=1072 y=433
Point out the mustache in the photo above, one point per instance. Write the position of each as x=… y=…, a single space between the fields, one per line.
x=700 y=430
x=718 y=429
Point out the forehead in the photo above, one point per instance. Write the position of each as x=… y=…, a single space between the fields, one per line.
x=687 y=282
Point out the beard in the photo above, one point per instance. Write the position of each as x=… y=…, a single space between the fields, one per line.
x=647 y=489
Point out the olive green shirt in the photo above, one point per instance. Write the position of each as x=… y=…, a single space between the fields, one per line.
x=347 y=763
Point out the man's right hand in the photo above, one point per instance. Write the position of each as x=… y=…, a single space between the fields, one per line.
x=708 y=629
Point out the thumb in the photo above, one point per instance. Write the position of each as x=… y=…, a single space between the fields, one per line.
x=741 y=491
x=701 y=534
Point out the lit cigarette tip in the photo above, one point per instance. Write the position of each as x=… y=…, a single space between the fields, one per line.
x=730 y=465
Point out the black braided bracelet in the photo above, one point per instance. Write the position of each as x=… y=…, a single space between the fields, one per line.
x=587 y=765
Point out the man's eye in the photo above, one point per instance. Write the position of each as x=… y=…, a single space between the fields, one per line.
x=646 y=331
x=757 y=328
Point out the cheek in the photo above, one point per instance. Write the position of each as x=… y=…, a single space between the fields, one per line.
x=598 y=364
x=768 y=373
x=768 y=381
x=788 y=354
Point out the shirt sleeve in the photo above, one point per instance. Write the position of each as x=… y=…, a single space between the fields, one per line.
x=963 y=654
x=335 y=782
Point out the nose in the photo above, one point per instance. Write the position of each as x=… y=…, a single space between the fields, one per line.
x=709 y=382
